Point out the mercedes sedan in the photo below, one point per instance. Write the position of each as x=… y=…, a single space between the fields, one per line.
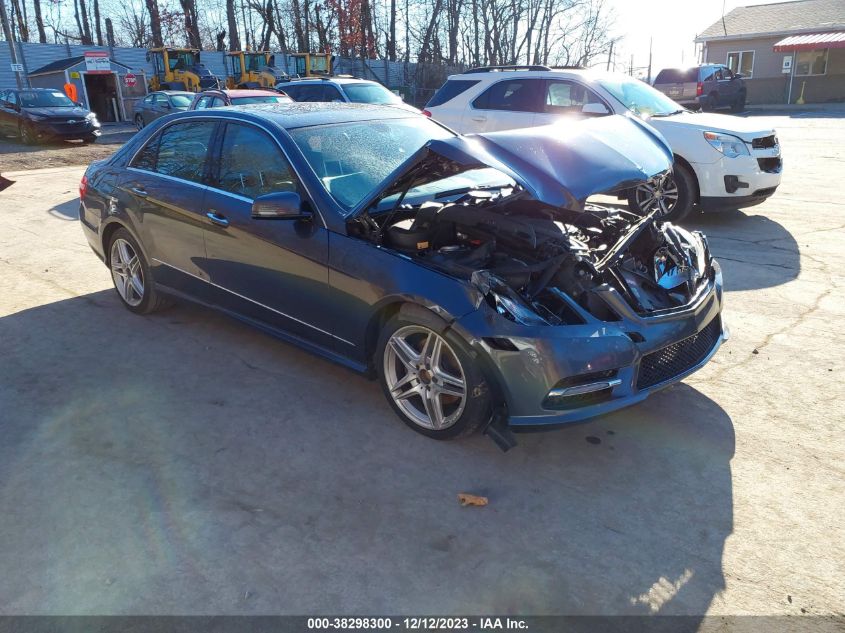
x=469 y=274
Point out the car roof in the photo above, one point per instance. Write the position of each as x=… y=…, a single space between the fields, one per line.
x=336 y=80
x=173 y=92
x=239 y=92
x=303 y=114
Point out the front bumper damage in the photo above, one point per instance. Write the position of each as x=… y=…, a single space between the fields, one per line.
x=597 y=367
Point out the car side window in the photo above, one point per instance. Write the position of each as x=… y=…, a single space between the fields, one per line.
x=708 y=74
x=292 y=92
x=717 y=75
x=568 y=97
x=149 y=99
x=252 y=164
x=330 y=93
x=217 y=102
x=203 y=102
x=13 y=97
x=726 y=73
x=179 y=151
x=518 y=95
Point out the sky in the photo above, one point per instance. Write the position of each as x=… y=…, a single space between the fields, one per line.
x=672 y=23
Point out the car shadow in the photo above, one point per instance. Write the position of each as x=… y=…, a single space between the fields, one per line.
x=68 y=210
x=185 y=463
x=754 y=250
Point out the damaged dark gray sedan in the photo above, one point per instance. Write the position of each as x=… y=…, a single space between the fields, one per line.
x=468 y=273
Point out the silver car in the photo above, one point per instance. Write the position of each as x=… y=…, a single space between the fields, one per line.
x=158 y=104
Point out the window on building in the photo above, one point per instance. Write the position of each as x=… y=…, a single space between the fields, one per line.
x=741 y=62
x=811 y=62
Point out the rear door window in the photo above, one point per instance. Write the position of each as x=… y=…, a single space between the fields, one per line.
x=448 y=91
x=518 y=95
x=568 y=96
x=252 y=164
x=203 y=103
x=330 y=93
x=179 y=151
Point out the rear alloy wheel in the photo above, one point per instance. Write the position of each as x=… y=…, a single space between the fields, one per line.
x=431 y=381
x=131 y=275
x=739 y=104
x=672 y=195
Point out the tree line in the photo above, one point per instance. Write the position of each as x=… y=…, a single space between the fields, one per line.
x=451 y=32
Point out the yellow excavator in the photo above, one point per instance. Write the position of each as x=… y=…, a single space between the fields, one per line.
x=179 y=69
x=253 y=69
x=312 y=64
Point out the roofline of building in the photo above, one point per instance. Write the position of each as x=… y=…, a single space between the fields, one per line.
x=756 y=36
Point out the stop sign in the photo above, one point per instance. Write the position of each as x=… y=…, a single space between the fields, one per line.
x=130 y=80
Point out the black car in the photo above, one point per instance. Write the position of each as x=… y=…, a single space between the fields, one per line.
x=43 y=113
x=467 y=273
x=159 y=103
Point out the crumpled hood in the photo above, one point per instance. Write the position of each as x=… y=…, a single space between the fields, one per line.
x=560 y=165
x=76 y=113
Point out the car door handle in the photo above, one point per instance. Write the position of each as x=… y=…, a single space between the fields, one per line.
x=139 y=191
x=480 y=117
x=217 y=219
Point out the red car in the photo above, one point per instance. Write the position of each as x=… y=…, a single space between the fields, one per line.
x=222 y=98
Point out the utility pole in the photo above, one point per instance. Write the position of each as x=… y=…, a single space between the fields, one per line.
x=609 y=55
x=649 y=59
x=7 y=33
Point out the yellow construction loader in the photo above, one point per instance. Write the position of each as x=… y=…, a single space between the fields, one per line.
x=253 y=69
x=312 y=64
x=179 y=69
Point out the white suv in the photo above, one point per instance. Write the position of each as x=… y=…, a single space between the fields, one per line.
x=721 y=161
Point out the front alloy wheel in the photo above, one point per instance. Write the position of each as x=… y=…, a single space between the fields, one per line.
x=431 y=378
x=662 y=194
x=424 y=377
x=672 y=195
x=126 y=272
x=27 y=135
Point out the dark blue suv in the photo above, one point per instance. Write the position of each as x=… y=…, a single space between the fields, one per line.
x=469 y=274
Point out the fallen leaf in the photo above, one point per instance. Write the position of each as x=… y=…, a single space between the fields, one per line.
x=467 y=499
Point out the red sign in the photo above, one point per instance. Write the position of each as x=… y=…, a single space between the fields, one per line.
x=130 y=80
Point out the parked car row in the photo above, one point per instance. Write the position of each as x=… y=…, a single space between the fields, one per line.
x=469 y=274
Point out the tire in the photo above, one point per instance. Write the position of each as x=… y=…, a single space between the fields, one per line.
x=681 y=181
x=139 y=122
x=91 y=138
x=26 y=135
x=131 y=265
x=739 y=104
x=710 y=102
x=416 y=356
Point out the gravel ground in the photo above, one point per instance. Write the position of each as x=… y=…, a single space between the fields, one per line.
x=183 y=463
x=15 y=156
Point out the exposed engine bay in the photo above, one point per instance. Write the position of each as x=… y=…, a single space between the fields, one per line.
x=536 y=264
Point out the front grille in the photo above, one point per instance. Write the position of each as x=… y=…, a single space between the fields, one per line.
x=770 y=165
x=765 y=142
x=675 y=359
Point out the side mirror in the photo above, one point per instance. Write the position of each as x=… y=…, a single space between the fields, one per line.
x=79 y=104
x=594 y=108
x=738 y=76
x=283 y=205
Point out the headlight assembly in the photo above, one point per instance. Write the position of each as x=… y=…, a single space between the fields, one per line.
x=730 y=146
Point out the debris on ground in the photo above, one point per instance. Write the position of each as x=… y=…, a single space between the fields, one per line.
x=467 y=499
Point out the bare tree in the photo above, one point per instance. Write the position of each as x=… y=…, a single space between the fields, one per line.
x=232 y=21
x=155 y=23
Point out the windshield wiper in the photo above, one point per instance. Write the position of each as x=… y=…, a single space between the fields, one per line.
x=460 y=190
x=660 y=114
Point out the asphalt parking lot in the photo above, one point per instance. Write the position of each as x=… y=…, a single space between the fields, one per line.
x=184 y=463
